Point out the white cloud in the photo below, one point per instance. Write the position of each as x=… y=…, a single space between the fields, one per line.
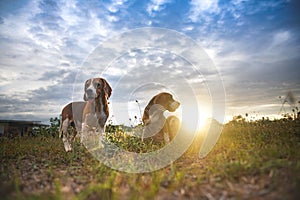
x=188 y=28
x=112 y=18
x=43 y=39
x=116 y=5
x=43 y=46
x=27 y=36
x=281 y=37
x=201 y=8
x=14 y=27
x=137 y=67
x=156 y=6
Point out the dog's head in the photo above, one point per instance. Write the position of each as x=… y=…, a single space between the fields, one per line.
x=166 y=100
x=160 y=102
x=95 y=88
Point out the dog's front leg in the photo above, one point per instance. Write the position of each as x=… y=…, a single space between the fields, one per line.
x=85 y=132
x=67 y=145
x=166 y=137
x=101 y=132
x=166 y=133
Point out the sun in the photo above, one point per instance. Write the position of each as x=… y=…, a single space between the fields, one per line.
x=192 y=119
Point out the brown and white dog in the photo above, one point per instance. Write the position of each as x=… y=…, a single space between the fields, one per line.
x=95 y=113
x=157 y=126
x=71 y=118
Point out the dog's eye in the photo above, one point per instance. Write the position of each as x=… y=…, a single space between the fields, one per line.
x=98 y=85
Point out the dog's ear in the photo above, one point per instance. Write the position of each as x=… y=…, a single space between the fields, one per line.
x=145 y=118
x=84 y=96
x=107 y=88
x=146 y=115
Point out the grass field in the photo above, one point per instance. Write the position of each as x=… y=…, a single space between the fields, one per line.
x=258 y=160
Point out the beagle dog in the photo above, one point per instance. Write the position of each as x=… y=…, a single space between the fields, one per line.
x=71 y=118
x=95 y=113
x=157 y=126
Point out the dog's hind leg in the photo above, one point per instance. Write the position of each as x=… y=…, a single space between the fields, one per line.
x=72 y=135
x=65 y=133
x=60 y=129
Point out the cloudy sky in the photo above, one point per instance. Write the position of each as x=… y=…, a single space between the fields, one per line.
x=189 y=48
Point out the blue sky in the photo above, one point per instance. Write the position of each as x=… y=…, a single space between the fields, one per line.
x=44 y=45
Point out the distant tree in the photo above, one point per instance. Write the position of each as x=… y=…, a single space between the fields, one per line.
x=238 y=118
x=54 y=126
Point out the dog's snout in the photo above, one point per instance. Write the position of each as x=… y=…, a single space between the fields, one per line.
x=177 y=104
x=174 y=105
x=89 y=92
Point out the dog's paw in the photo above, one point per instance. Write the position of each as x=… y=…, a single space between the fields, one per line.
x=166 y=138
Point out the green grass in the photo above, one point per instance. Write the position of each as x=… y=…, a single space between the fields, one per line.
x=258 y=160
